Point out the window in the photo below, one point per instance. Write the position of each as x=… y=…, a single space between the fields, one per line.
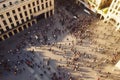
x=110 y=10
x=117 y=13
x=15 y=17
x=51 y=12
x=24 y=26
x=19 y=9
x=34 y=10
x=41 y=0
x=116 y=7
x=10 y=3
x=37 y=1
x=24 y=7
x=15 y=31
x=12 y=25
x=17 y=23
x=13 y=11
x=22 y=20
x=117 y=24
x=8 y=14
x=29 y=5
x=7 y=28
x=10 y=19
x=50 y=3
x=42 y=6
x=33 y=3
x=21 y=15
x=5 y=36
x=31 y=16
x=20 y=29
x=27 y=18
x=1 y=16
x=25 y=13
x=4 y=22
x=4 y=5
x=1 y=31
x=38 y=8
x=46 y=5
x=30 y=11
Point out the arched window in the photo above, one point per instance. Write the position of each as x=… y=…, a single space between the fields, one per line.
x=20 y=29
x=10 y=33
x=5 y=36
x=15 y=31
x=29 y=24
x=33 y=22
x=24 y=26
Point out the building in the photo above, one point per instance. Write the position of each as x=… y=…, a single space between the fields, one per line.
x=109 y=10
x=113 y=14
x=17 y=15
x=95 y=5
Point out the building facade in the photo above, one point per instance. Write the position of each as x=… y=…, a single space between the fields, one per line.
x=95 y=5
x=113 y=14
x=109 y=10
x=17 y=15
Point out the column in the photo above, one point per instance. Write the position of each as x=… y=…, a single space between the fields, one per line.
x=2 y=25
x=12 y=32
x=3 y=38
x=36 y=6
x=45 y=14
x=17 y=30
x=22 y=27
x=7 y=35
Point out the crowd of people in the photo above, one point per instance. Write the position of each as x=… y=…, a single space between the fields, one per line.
x=49 y=33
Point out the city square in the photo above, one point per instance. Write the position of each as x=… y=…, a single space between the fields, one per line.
x=72 y=44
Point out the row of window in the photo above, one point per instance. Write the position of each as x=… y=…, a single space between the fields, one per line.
x=23 y=0
x=24 y=7
x=15 y=30
x=17 y=22
x=21 y=15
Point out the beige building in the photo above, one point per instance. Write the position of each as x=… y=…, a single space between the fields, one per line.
x=95 y=5
x=113 y=14
x=17 y=15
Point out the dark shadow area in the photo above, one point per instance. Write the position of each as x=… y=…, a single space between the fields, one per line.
x=41 y=16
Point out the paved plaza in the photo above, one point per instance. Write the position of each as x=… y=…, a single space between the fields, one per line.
x=71 y=45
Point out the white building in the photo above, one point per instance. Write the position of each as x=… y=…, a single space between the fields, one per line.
x=17 y=15
x=113 y=14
